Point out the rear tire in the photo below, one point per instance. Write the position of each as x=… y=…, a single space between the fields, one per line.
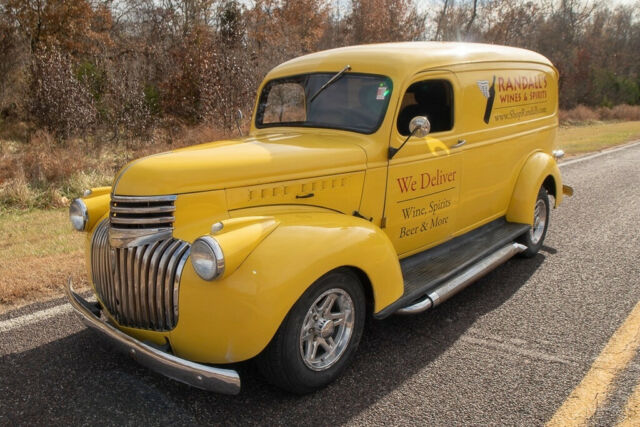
x=319 y=336
x=534 y=238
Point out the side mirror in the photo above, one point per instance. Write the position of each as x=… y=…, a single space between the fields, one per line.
x=419 y=126
x=239 y=117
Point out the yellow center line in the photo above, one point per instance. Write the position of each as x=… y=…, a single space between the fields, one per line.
x=631 y=417
x=594 y=389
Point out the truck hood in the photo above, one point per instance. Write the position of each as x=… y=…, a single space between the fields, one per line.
x=241 y=162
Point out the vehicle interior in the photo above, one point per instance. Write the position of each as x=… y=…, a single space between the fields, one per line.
x=430 y=98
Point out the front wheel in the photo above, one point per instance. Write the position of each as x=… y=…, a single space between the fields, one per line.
x=318 y=337
x=534 y=238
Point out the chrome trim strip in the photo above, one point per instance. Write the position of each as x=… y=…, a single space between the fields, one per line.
x=117 y=294
x=127 y=238
x=161 y=302
x=131 y=299
x=143 y=209
x=122 y=276
x=458 y=283
x=144 y=199
x=197 y=375
x=147 y=288
x=176 y=282
x=141 y=221
x=156 y=306
x=136 y=285
x=169 y=291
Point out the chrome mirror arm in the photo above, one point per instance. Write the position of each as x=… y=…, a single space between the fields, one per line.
x=418 y=125
x=393 y=150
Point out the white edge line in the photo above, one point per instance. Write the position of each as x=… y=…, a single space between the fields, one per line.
x=601 y=153
x=515 y=350
x=28 y=319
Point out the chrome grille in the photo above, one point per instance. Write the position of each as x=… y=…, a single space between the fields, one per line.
x=140 y=220
x=139 y=285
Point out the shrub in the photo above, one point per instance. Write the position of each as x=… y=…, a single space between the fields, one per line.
x=152 y=99
x=45 y=162
x=59 y=101
x=16 y=193
x=581 y=113
x=620 y=112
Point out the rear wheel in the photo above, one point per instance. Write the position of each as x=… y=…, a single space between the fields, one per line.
x=534 y=238
x=318 y=337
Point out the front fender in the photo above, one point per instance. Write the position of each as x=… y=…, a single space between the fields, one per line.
x=97 y=202
x=233 y=319
x=538 y=167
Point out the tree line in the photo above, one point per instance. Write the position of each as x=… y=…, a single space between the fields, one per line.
x=120 y=68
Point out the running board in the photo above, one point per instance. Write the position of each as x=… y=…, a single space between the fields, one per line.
x=464 y=279
x=431 y=271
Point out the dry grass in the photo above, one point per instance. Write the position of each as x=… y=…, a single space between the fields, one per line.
x=43 y=173
x=38 y=252
x=595 y=137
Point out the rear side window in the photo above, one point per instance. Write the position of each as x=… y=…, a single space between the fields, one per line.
x=430 y=98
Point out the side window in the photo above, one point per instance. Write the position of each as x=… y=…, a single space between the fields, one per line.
x=285 y=104
x=431 y=98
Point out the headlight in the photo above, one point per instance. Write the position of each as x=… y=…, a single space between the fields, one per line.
x=207 y=258
x=78 y=214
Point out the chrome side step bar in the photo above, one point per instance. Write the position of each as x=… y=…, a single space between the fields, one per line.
x=468 y=276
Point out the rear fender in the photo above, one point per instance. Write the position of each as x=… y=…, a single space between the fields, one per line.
x=538 y=168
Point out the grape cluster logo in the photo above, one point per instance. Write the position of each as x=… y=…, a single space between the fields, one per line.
x=489 y=92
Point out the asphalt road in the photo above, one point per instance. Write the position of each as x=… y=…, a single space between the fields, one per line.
x=507 y=350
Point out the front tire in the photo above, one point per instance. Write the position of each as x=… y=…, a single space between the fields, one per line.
x=319 y=336
x=534 y=238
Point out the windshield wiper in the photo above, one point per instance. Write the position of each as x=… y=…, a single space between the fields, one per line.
x=330 y=82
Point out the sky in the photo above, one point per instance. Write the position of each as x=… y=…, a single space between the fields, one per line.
x=425 y=4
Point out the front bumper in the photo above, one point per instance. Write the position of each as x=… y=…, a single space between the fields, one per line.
x=197 y=375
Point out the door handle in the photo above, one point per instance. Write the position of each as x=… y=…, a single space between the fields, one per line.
x=304 y=196
x=460 y=143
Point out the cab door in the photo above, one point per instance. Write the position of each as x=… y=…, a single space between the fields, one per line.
x=424 y=177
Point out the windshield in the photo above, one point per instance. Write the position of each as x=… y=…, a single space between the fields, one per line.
x=356 y=102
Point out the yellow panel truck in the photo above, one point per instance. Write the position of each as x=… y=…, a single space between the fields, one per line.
x=375 y=180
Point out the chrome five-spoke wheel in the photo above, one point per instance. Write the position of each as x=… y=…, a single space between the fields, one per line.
x=539 y=221
x=319 y=335
x=327 y=329
x=534 y=238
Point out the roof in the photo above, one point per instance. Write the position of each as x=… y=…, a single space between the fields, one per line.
x=398 y=60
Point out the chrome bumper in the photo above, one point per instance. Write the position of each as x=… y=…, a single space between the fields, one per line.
x=205 y=377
